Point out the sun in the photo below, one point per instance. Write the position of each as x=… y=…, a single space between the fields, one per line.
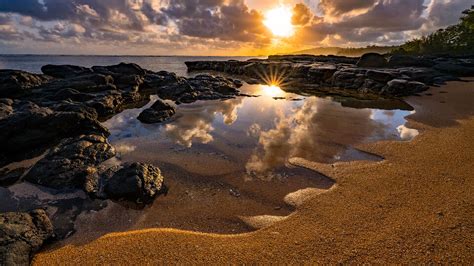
x=278 y=21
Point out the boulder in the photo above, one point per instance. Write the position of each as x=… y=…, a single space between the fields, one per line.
x=120 y=69
x=321 y=73
x=23 y=234
x=15 y=83
x=134 y=181
x=72 y=164
x=31 y=128
x=372 y=60
x=205 y=83
x=380 y=76
x=85 y=83
x=65 y=71
x=159 y=112
x=401 y=87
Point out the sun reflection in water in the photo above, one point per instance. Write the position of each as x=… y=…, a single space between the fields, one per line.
x=272 y=91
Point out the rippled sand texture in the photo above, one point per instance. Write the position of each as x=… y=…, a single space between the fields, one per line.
x=415 y=206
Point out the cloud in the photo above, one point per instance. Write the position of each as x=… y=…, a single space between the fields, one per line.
x=316 y=131
x=340 y=7
x=441 y=12
x=197 y=126
x=216 y=26
x=217 y=19
x=302 y=15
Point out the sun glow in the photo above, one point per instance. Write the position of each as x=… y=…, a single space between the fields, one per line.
x=278 y=21
x=272 y=90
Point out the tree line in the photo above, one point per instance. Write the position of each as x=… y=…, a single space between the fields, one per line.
x=453 y=40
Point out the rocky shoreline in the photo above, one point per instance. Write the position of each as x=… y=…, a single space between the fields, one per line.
x=369 y=77
x=56 y=116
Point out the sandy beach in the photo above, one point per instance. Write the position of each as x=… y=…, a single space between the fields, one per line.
x=416 y=206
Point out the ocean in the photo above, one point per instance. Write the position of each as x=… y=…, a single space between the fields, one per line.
x=33 y=63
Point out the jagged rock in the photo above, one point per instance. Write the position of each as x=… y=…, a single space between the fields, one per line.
x=214 y=84
x=31 y=128
x=6 y=108
x=400 y=87
x=321 y=73
x=380 y=76
x=167 y=86
x=21 y=235
x=372 y=60
x=120 y=69
x=159 y=112
x=65 y=71
x=136 y=181
x=15 y=83
x=72 y=164
x=72 y=95
x=107 y=103
x=85 y=83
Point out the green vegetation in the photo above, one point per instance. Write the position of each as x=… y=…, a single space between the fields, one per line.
x=354 y=52
x=454 y=40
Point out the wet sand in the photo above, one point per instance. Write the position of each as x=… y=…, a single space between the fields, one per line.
x=415 y=206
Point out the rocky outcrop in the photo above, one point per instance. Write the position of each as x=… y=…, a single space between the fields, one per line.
x=365 y=78
x=65 y=71
x=134 y=181
x=73 y=164
x=22 y=234
x=372 y=60
x=159 y=112
x=401 y=87
x=30 y=129
x=70 y=101
x=15 y=83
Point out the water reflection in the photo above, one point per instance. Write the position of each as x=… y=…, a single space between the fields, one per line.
x=320 y=130
x=272 y=91
x=195 y=124
x=258 y=134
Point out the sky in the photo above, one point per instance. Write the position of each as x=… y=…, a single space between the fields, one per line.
x=214 y=27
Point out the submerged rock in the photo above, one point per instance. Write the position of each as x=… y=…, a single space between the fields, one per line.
x=134 y=181
x=159 y=112
x=21 y=235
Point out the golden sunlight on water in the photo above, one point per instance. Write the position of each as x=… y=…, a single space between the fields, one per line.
x=271 y=91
